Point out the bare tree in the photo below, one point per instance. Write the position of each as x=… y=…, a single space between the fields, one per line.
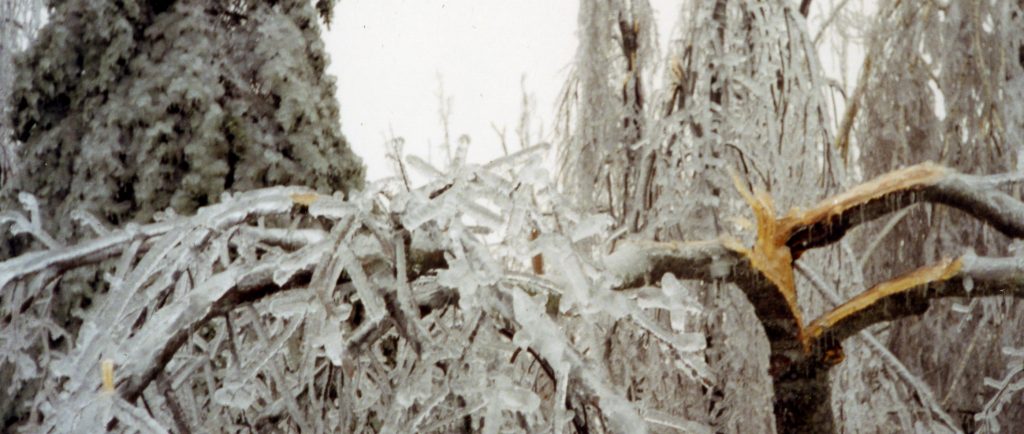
x=942 y=85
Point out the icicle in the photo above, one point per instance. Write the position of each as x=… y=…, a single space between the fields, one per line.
x=372 y=301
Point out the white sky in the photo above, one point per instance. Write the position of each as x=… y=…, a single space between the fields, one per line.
x=391 y=57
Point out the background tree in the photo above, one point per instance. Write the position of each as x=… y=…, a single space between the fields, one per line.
x=125 y=109
x=742 y=89
x=943 y=84
x=21 y=20
x=666 y=295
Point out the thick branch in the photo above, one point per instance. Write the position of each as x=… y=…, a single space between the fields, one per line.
x=911 y=294
x=828 y=221
x=642 y=262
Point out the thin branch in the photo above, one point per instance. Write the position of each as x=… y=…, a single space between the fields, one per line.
x=180 y=421
x=852 y=107
x=878 y=237
x=828 y=21
x=402 y=307
x=805 y=7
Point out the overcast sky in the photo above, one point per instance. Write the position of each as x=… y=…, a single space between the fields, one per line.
x=391 y=56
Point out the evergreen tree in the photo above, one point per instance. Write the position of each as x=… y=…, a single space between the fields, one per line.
x=126 y=108
x=121 y=110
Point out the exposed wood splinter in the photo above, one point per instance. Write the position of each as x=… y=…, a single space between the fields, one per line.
x=770 y=255
x=805 y=229
x=849 y=311
x=306 y=199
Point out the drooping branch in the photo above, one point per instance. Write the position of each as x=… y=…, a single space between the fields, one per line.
x=259 y=203
x=236 y=287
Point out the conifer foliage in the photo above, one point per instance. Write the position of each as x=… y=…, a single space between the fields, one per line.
x=125 y=108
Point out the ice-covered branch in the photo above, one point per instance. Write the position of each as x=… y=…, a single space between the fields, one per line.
x=152 y=347
x=260 y=203
x=829 y=220
x=911 y=294
x=587 y=382
x=641 y=262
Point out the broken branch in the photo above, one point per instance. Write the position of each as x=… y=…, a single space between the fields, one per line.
x=911 y=294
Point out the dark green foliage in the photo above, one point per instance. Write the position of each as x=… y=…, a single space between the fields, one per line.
x=127 y=108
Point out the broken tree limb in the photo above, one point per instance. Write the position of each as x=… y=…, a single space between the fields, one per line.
x=912 y=293
x=829 y=220
x=923 y=391
x=801 y=358
x=765 y=272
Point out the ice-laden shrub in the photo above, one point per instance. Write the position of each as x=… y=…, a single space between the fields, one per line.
x=393 y=311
